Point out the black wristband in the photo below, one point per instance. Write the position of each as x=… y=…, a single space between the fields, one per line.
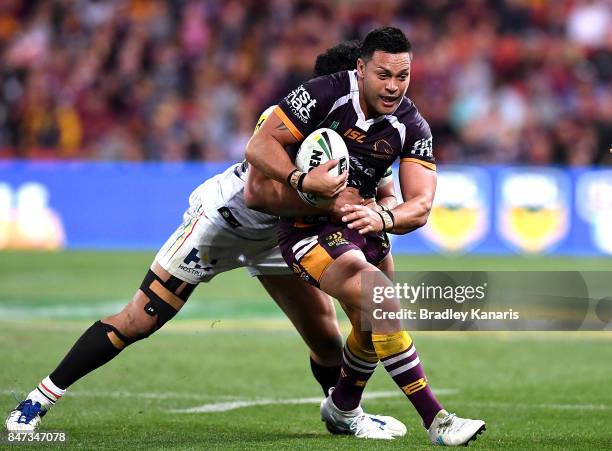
x=290 y=177
x=300 y=181
x=388 y=220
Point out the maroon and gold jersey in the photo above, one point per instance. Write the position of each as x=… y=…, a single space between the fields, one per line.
x=332 y=101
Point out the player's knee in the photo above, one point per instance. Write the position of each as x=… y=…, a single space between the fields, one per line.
x=139 y=324
x=164 y=297
x=328 y=354
x=328 y=348
x=132 y=322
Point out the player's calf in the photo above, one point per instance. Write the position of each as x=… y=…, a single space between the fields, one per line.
x=159 y=299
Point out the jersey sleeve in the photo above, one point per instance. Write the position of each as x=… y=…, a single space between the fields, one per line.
x=418 y=147
x=307 y=105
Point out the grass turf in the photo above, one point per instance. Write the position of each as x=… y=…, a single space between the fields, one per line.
x=544 y=390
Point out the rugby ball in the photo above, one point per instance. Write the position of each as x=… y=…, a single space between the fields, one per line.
x=319 y=147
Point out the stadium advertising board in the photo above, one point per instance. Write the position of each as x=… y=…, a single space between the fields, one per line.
x=481 y=210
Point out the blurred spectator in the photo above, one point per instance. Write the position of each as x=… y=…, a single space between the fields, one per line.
x=500 y=81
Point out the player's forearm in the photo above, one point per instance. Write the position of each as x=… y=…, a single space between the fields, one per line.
x=269 y=157
x=274 y=198
x=411 y=215
x=389 y=201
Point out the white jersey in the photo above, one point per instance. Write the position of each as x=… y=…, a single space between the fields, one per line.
x=220 y=233
x=222 y=198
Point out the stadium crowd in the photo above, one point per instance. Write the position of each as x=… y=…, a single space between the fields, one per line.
x=500 y=81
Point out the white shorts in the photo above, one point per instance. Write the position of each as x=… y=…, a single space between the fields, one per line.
x=206 y=244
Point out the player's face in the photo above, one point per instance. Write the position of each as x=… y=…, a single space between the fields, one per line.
x=385 y=80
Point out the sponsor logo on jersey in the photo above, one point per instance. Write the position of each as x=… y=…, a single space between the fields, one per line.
x=383 y=146
x=301 y=103
x=460 y=214
x=355 y=135
x=336 y=239
x=193 y=264
x=423 y=148
x=533 y=208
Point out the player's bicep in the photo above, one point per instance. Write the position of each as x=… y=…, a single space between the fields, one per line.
x=266 y=149
x=275 y=128
x=417 y=182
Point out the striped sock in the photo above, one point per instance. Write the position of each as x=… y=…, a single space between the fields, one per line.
x=402 y=362
x=358 y=365
x=47 y=393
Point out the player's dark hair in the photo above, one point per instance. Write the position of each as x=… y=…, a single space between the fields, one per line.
x=338 y=58
x=386 y=39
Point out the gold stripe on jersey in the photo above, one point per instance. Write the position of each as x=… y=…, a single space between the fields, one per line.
x=316 y=261
x=427 y=164
x=285 y=119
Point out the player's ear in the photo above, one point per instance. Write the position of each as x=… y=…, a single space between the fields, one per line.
x=361 y=68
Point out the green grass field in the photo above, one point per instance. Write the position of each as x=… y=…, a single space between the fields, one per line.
x=231 y=346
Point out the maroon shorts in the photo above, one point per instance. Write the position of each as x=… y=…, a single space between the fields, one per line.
x=309 y=251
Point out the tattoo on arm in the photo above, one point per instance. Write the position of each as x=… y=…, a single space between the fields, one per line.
x=281 y=126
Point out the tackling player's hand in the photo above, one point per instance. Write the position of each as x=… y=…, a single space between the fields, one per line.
x=370 y=203
x=321 y=183
x=346 y=196
x=362 y=218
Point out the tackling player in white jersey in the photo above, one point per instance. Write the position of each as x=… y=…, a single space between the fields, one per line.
x=218 y=233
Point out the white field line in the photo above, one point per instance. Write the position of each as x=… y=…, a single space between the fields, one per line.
x=239 y=404
x=127 y=394
x=224 y=402
x=60 y=311
x=551 y=406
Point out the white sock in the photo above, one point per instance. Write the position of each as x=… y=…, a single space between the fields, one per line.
x=47 y=393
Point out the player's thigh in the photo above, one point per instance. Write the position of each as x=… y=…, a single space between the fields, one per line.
x=310 y=310
x=344 y=279
x=387 y=266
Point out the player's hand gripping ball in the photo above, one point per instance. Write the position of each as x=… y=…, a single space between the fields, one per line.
x=318 y=148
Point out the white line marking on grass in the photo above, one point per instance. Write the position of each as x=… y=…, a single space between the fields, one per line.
x=239 y=404
x=61 y=311
x=127 y=394
x=527 y=405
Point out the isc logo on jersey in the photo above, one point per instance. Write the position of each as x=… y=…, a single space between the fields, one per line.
x=319 y=147
x=301 y=103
